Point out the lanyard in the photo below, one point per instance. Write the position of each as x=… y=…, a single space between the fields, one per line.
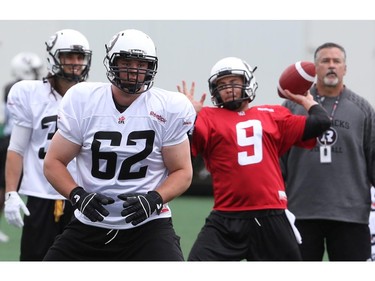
x=334 y=107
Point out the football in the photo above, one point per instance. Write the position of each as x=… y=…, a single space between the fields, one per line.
x=297 y=78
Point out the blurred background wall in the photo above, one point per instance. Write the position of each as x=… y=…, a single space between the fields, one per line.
x=187 y=49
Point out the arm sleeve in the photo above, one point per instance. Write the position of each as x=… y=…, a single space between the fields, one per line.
x=19 y=139
x=316 y=123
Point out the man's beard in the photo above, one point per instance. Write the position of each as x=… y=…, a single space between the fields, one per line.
x=329 y=82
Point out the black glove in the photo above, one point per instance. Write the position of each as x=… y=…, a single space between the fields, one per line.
x=140 y=206
x=90 y=204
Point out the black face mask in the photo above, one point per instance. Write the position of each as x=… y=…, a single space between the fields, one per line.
x=232 y=105
x=130 y=88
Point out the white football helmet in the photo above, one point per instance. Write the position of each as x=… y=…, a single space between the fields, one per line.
x=26 y=66
x=134 y=45
x=68 y=41
x=228 y=67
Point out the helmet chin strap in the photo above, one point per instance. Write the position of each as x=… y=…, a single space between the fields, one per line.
x=131 y=88
x=72 y=77
x=233 y=105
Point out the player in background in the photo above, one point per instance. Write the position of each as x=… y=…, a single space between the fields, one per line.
x=372 y=223
x=33 y=105
x=132 y=149
x=24 y=66
x=329 y=186
x=241 y=146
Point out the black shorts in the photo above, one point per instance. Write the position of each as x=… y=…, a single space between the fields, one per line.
x=40 y=228
x=254 y=236
x=343 y=241
x=153 y=241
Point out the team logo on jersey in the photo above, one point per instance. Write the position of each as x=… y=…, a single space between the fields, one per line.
x=187 y=122
x=329 y=137
x=282 y=195
x=158 y=116
x=266 y=109
x=121 y=120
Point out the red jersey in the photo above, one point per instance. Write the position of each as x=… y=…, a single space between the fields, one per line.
x=241 y=150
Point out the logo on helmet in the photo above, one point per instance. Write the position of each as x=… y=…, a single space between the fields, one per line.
x=112 y=43
x=51 y=42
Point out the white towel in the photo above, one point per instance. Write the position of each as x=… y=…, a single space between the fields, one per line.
x=291 y=217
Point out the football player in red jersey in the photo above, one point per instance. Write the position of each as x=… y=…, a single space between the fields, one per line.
x=241 y=146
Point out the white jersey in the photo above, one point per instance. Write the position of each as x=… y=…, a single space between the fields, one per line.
x=121 y=152
x=33 y=104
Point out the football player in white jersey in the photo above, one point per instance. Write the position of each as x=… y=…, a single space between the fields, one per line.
x=33 y=105
x=133 y=157
x=24 y=65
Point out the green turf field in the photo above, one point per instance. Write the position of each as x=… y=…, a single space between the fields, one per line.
x=189 y=213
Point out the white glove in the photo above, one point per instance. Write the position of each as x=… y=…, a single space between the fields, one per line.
x=13 y=204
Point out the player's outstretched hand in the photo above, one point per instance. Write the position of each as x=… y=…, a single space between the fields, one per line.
x=138 y=207
x=90 y=204
x=12 y=209
x=198 y=104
